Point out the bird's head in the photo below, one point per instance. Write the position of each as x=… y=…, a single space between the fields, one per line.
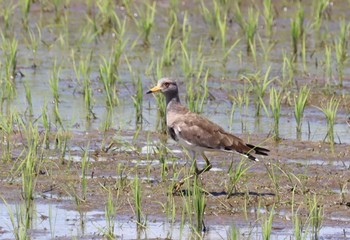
x=164 y=85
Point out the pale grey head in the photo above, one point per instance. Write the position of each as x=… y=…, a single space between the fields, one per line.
x=168 y=87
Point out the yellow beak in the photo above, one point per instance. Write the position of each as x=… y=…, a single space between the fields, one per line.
x=154 y=89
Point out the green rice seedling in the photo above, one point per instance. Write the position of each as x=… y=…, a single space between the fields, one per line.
x=29 y=169
x=266 y=47
x=46 y=124
x=275 y=106
x=299 y=105
x=138 y=202
x=297 y=225
x=161 y=106
x=186 y=30
x=33 y=41
x=146 y=21
x=249 y=25
x=319 y=7
x=109 y=80
x=303 y=52
x=275 y=178
x=57 y=115
x=28 y=98
x=138 y=99
x=328 y=64
x=17 y=219
x=266 y=224
x=54 y=80
x=107 y=120
x=259 y=86
x=210 y=18
x=268 y=16
x=287 y=71
x=85 y=162
x=330 y=112
x=7 y=15
x=120 y=45
x=168 y=55
x=228 y=51
x=82 y=73
x=297 y=28
x=315 y=214
x=340 y=46
x=88 y=95
x=7 y=127
x=25 y=7
x=199 y=204
x=236 y=175
x=9 y=53
x=106 y=15
x=221 y=19
x=57 y=9
x=61 y=140
x=110 y=216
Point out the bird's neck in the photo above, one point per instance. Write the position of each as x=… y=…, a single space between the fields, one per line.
x=172 y=99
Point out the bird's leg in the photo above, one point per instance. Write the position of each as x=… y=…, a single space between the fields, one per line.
x=198 y=172
x=206 y=168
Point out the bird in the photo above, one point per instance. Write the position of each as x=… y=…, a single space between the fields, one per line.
x=198 y=134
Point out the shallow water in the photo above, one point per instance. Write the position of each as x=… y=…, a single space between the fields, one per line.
x=136 y=153
x=53 y=221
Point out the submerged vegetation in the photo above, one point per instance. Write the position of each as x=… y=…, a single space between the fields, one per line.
x=76 y=127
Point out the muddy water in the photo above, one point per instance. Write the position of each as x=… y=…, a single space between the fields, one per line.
x=319 y=170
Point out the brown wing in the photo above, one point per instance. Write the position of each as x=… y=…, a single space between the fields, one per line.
x=204 y=133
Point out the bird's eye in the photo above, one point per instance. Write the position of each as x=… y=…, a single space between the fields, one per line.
x=166 y=84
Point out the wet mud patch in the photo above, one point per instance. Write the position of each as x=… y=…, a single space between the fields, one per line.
x=289 y=179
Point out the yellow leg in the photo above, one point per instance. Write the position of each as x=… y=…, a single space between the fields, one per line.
x=198 y=172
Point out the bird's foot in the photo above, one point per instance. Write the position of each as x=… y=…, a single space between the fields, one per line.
x=177 y=186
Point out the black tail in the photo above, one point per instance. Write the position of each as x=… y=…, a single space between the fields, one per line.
x=258 y=150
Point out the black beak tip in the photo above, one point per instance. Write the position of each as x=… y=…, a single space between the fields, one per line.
x=148 y=92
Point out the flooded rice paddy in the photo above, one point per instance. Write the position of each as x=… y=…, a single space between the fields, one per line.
x=84 y=153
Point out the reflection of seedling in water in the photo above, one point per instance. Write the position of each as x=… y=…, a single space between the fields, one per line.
x=330 y=112
x=299 y=106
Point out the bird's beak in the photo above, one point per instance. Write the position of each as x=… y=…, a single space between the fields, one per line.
x=154 y=89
